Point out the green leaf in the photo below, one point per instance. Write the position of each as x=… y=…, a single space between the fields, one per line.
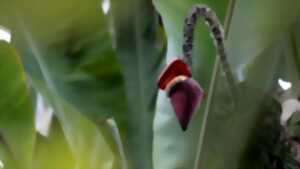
x=53 y=151
x=85 y=139
x=261 y=50
x=76 y=61
x=87 y=142
x=258 y=26
x=73 y=62
x=76 y=52
x=173 y=148
x=139 y=51
x=17 y=133
x=65 y=62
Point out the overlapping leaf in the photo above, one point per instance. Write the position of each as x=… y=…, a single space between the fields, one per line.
x=53 y=151
x=139 y=52
x=17 y=132
x=64 y=61
x=261 y=50
x=74 y=60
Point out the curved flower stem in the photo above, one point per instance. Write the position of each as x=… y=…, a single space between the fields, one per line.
x=217 y=32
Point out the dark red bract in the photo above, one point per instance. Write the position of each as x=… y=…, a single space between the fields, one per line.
x=185 y=98
x=184 y=92
x=175 y=68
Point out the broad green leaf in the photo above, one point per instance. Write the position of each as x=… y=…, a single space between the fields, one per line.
x=255 y=27
x=173 y=148
x=139 y=51
x=17 y=132
x=86 y=141
x=75 y=59
x=73 y=62
x=53 y=151
x=76 y=52
x=261 y=50
x=242 y=125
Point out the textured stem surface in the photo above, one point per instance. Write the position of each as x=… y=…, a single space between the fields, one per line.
x=217 y=34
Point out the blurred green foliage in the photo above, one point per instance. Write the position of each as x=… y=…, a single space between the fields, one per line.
x=17 y=135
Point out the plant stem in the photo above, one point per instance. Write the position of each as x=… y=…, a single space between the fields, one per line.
x=217 y=34
x=211 y=89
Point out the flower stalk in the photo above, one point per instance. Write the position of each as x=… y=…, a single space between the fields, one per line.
x=217 y=34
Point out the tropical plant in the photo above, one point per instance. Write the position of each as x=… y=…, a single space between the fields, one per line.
x=94 y=64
